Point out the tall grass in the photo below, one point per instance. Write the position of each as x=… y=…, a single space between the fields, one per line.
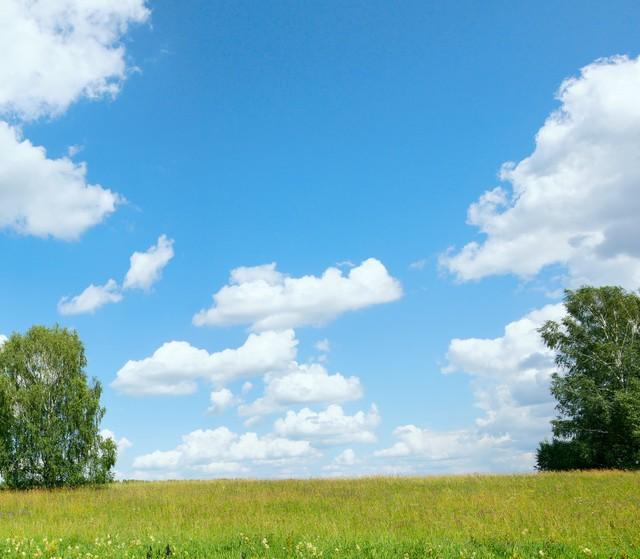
x=594 y=514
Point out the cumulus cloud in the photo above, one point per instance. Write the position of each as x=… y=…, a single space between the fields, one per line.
x=574 y=201
x=175 y=367
x=438 y=446
x=510 y=381
x=46 y=197
x=346 y=458
x=146 y=267
x=267 y=299
x=3 y=339
x=511 y=377
x=329 y=427
x=145 y=270
x=91 y=299
x=56 y=51
x=302 y=384
x=214 y=451
x=221 y=400
x=122 y=443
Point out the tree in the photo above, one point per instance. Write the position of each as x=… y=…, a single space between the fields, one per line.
x=49 y=413
x=597 y=388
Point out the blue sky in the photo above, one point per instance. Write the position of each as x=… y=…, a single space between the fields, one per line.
x=317 y=135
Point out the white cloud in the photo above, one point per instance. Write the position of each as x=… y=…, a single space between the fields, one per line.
x=3 y=339
x=438 y=445
x=418 y=264
x=221 y=400
x=267 y=299
x=46 y=197
x=146 y=267
x=56 y=51
x=346 y=458
x=303 y=384
x=175 y=367
x=122 y=443
x=511 y=377
x=575 y=200
x=74 y=150
x=246 y=387
x=329 y=427
x=221 y=450
x=323 y=345
x=510 y=381
x=91 y=299
x=343 y=464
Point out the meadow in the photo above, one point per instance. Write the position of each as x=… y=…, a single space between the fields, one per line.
x=564 y=515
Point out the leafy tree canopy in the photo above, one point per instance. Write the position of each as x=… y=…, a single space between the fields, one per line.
x=49 y=414
x=597 y=387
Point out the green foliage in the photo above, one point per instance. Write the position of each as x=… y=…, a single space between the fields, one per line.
x=49 y=414
x=598 y=386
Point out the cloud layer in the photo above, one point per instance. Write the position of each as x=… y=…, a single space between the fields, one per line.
x=575 y=200
x=267 y=299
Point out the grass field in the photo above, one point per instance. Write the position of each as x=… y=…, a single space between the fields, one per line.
x=546 y=515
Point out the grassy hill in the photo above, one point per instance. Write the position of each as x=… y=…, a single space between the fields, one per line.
x=577 y=515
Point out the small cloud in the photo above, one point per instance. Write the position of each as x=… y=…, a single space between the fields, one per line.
x=146 y=267
x=418 y=264
x=91 y=299
x=323 y=345
x=122 y=443
x=74 y=150
x=221 y=400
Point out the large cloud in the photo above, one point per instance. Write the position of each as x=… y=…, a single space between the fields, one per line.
x=47 y=197
x=331 y=426
x=511 y=376
x=175 y=367
x=267 y=299
x=575 y=200
x=302 y=384
x=56 y=51
x=510 y=381
x=145 y=270
x=214 y=451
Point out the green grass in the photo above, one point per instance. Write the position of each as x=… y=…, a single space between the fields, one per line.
x=571 y=515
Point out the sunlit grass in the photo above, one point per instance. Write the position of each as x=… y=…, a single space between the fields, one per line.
x=581 y=515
